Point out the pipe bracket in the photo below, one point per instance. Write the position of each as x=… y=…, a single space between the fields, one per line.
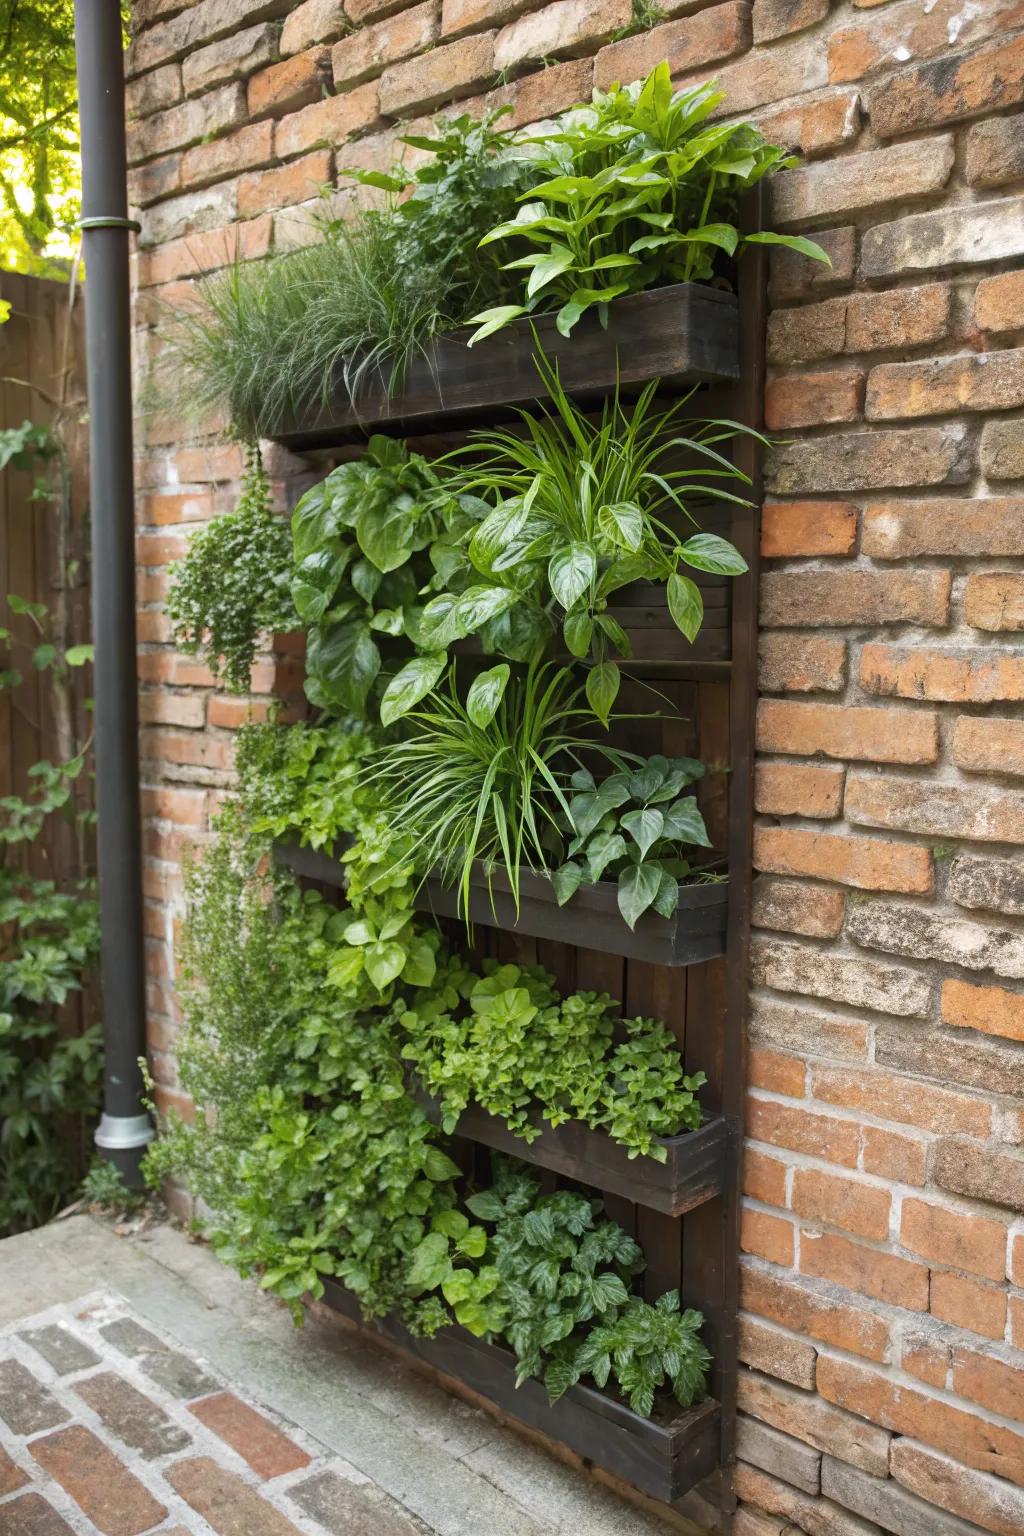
x=104 y=221
x=122 y=1133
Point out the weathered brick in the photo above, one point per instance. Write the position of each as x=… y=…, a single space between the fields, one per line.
x=955 y=677
x=990 y=1010
x=814 y=1312
x=827 y=1428
x=812 y=126
x=561 y=27
x=750 y=1522
x=161 y=707
x=344 y=1507
x=898 y=174
x=781 y=1023
x=1002 y=449
x=924 y=934
x=813 y=399
x=192 y=213
x=866 y=1271
x=366 y=52
x=875 y=460
x=848 y=1203
x=844 y=597
x=243 y=150
x=885 y=1096
x=910 y=31
x=458 y=16
x=990 y=1502
x=801 y=664
x=893 y=1155
x=11 y=1476
x=26 y=1406
x=793 y=276
x=229 y=1504
x=261 y=190
x=985 y=526
x=874 y=1499
x=206 y=252
x=964 y=1168
x=967 y=1303
x=776 y=1353
x=797 y=1511
x=994 y=600
x=32 y=1515
x=267 y=1450
x=959 y=1238
x=989 y=1066
x=769 y=75
x=156 y=179
x=764 y=1178
x=798 y=789
x=187 y=123
x=453 y=70
x=107 y=1493
x=294 y=83
x=995 y=1384
x=801 y=1130
x=845 y=731
x=61 y=1348
x=843 y=979
x=978 y=1442
x=943 y=90
x=868 y=863
x=902 y=317
x=327 y=122
x=804 y=334
x=761 y=1446
x=717 y=33
x=985 y=381
x=768 y=1237
x=231 y=58
x=547 y=91
x=197 y=24
x=777 y=18
x=153 y=92
x=313 y=22
x=957 y=236
x=999 y=303
x=989 y=746
x=131 y=1416
x=997 y=884
x=995 y=151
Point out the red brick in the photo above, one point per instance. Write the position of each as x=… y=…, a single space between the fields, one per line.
x=804 y=334
x=888 y=1097
x=801 y=1130
x=978 y=811
x=847 y=731
x=365 y=53
x=954 y=677
x=945 y=1236
x=155 y=180
x=550 y=90
x=31 y=1515
x=563 y=26
x=978 y=1442
x=990 y=1010
x=956 y=86
x=813 y=126
x=187 y=123
x=196 y=748
x=776 y=1072
x=153 y=92
x=808 y=528
x=867 y=1271
x=941 y=1480
x=437 y=77
x=798 y=789
x=205 y=252
x=231 y=1506
x=897 y=174
x=717 y=33
x=1017 y=1321
x=807 y=1418
x=177 y=507
x=793 y=276
x=840 y=598
x=233 y=713
x=993 y=1384
x=294 y=83
x=268 y=1451
x=806 y=1030
x=868 y=863
x=769 y=1237
x=993 y=1174
x=994 y=600
x=801 y=664
x=989 y=746
x=911 y=31
x=764 y=1177
x=841 y=1202
x=800 y=1307
x=777 y=18
x=259 y=191
x=926 y=1358
x=999 y=303
x=244 y=150
x=776 y=1353
x=986 y=381
x=794 y=906
x=985 y=526
x=329 y=122
x=891 y=1155
x=102 y=1487
x=1002 y=448
x=811 y=399
x=162 y=708
x=968 y=1304
x=903 y=317
x=318 y=21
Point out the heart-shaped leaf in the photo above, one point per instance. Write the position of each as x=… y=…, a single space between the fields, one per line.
x=413 y=683
x=622 y=523
x=602 y=689
x=685 y=824
x=578 y=631
x=638 y=886
x=644 y=827
x=485 y=694
x=571 y=571
x=566 y=882
x=686 y=605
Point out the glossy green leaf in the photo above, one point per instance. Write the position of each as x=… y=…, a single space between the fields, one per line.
x=623 y=523
x=708 y=552
x=638 y=886
x=644 y=825
x=685 y=604
x=602 y=689
x=485 y=694
x=405 y=690
x=571 y=572
x=577 y=631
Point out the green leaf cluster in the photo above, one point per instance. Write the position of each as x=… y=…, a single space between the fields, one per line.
x=632 y=827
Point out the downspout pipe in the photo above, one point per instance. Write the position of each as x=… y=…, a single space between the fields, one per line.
x=125 y=1128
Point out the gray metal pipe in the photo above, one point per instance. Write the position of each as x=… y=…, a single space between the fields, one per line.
x=125 y=1128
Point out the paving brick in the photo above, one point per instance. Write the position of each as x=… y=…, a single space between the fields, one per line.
x=995 y=151
x=230 y=1506
x=776 y=1353
x=716 y=33
x=950 y=676
x=967 y=1303
x=994 y=600
x=129 y=1336
x=801 y=664
x=873 y=460
x=11 y=1475
x=986 y=381
x=960 y=526
x=131 y=1416
x=866 y=863
x=957 y=236
x=349 y=1509
x=798 y=789
x=991 y=1010
x=26 y=1406
x=61 y=1348
x=995 y=884
x=898 y=174
x=827 y=1429
x=841 y=978
x=175 y=1372
x=902 y=1513
x=947 y=89
x=32 y=1515
x=994 y=1504
x=762 y=1446
x=267 y=1449
x=103 y=1488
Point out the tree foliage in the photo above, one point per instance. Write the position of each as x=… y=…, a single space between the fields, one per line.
x=40 y=174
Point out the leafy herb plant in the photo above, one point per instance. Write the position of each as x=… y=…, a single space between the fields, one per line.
x=645 y=1349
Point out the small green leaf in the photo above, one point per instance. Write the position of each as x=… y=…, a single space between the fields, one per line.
x=798 y=243
x=602 y=689
x=490 y=320
x=686 y=605
x=566 y=882
x=571 y=572
x=638 y=886
x=44 y=656
x=78 y=655
x=577 y=631
x=383 y=963
x=412 y=684
x=707 y=552
x=485 y=695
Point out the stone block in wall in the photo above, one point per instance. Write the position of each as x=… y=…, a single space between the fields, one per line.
x=873 y=460
x=878 y=1499
x=958 y=236
x=231 y=58
x=981 y=813
x=995 y=151
x=857 y=983
x=993 y=884
x=980 y=1173
x=887 y=1096
x=941 y=1480
x=768 y=1448
x=897 y=174
x=906 y=30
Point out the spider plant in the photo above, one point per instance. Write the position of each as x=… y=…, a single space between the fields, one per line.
x=482 y=778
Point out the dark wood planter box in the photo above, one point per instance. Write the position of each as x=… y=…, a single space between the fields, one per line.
x=661 y=1457
x=686 y=333
x=590 y=920
x=694 y=1171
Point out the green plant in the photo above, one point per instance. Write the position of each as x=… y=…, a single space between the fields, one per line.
x=105 y=1187
x=639 y=847
x=637 y=189
x=443 y=1261
x=643 y=1349
x=232 y=585
x=576 y=510
x=646 y=1093
x=303 y=782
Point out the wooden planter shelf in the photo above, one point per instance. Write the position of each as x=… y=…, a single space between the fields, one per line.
x=663 y=1457
x=683 y=334
x=591 y=920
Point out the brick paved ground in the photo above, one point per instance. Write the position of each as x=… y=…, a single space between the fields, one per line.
x=145 y=1389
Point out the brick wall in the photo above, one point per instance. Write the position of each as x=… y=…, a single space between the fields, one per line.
x=883 y=1272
